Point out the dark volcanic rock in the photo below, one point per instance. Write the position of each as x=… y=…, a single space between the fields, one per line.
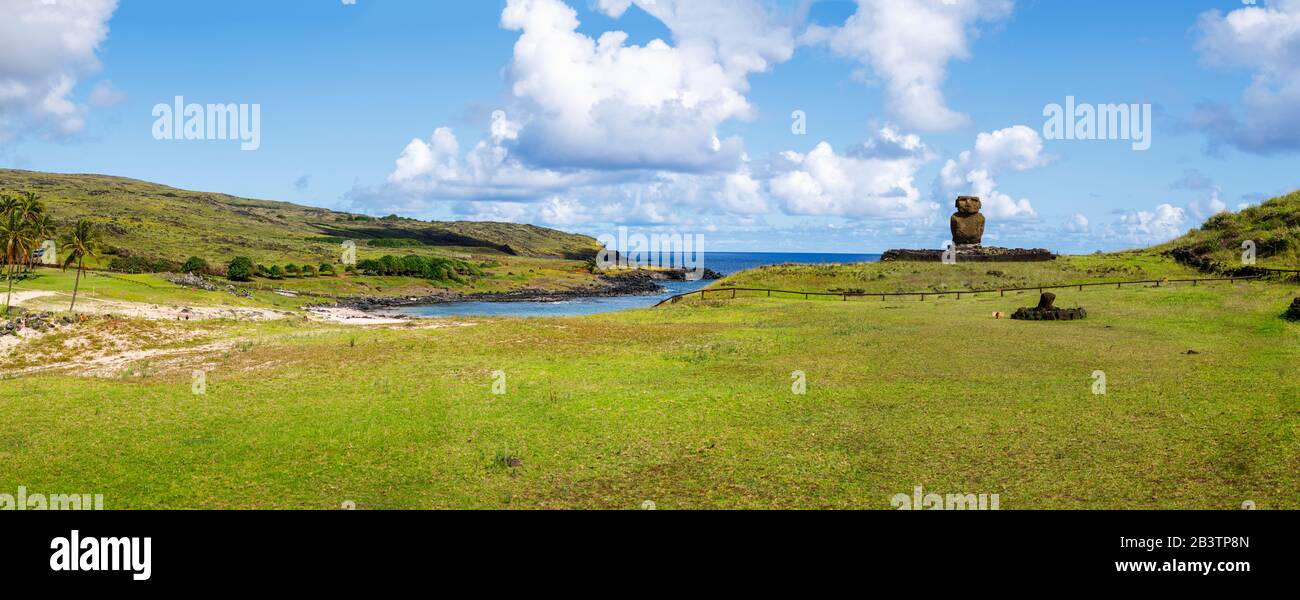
x=1293 y=313
x=1045 y=311
x=967 y=223
x=972 y=254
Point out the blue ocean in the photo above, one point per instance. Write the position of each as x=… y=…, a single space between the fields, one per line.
x=725 y=263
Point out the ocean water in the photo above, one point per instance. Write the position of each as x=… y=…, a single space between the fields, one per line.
x=726 y=263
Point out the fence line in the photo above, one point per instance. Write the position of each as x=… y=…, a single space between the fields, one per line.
x=923 y=295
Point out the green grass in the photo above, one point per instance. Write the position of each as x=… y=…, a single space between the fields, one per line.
x=160 y=222
x=690 y=406
x=1274 y=227
x=894 y=277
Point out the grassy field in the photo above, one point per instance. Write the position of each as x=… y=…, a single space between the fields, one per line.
x=1273 y=226
x=153 y=221
x=896 y=277
x=691 y=406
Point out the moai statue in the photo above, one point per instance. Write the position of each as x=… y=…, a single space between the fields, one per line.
x=968 y=223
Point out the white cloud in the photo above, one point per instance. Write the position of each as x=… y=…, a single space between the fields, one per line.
x=600 y=103
x=501 y=212
x=1264 y=40
x=973 y=172
x=875 y=180
x=437 y=170
x=908 y=44
x=1204 y=209
x=45 y=48
x=562 y=212
x=1165 y=223
x=104 y=94
x=602 y=130
x=1077 y=224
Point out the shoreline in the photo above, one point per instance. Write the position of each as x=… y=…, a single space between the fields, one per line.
x=636 y=283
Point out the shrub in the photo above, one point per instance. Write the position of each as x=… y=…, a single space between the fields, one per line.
x=194 y=265
x=437 y=269
x=326 y=269
x=395 y=243
x=240 y=269
x=308 y=271
x=140 y=264
x=276 y=272
x=292 y=270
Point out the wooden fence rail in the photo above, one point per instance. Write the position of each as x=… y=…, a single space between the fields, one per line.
x=703 y=294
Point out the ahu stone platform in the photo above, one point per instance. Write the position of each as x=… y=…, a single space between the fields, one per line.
x=972 y=254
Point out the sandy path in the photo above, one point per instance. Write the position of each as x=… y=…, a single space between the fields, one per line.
x=352 y=316
x=47 y=300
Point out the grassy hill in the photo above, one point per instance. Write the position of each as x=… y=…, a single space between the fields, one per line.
x=159 y=222
x=1274 y=226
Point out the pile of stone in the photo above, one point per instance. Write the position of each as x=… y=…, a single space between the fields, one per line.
x=966 y=254
x=193 y=281
x=1046 y=311
x=1293 y=313
x=190 y=280
x=42 y=321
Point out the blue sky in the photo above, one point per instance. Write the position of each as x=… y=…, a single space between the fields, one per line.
x=897 y=90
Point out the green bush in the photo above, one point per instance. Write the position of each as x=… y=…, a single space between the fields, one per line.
x=276 y=272
x=292 y=270
x=240 y=269
x=326 y=269
x=432 y=268
x=395 y=243
x=308 y=271
x=140 y=264
x=194 y=265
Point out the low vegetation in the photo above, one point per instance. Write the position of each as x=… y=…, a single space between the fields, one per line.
x=691 y=406
x=1273 y=228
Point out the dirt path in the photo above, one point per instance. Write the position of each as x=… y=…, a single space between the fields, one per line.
x=48 y=300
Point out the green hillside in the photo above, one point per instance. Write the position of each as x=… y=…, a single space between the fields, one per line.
x=154 y=221
x=1274 y=226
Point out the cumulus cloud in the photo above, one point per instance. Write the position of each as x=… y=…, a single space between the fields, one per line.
x=873 y=181
x=1078 y=224
x=602 y=103
x=1165 y=223
x=973 y=172
x=104 y=94
x=602 y=130
x=908 y=44
x=1208 y=207
x=438 y=170
x=1264 y=40
x=45 y=48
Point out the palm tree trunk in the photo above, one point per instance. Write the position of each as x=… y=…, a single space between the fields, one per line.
x=11 y=289
x=75 y=285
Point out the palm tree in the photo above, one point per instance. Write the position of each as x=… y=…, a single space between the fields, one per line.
x=42 y=228
x=15 y=244
x=33 y=211
x=80 y=244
